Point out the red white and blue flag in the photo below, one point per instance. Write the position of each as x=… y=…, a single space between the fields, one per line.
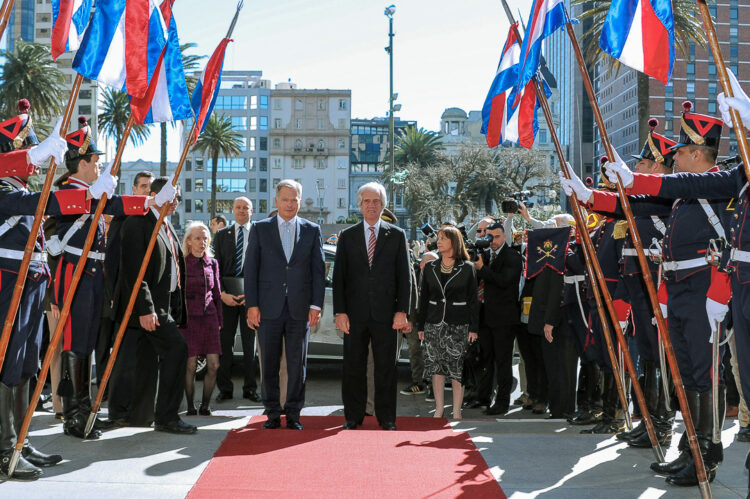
x=640 y=34
x=69 y=21
x=546 y=17
x=207 y=89
x=123 y=45
x=166 y=98
x=501 y=121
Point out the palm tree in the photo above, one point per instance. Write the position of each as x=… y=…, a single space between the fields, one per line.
x=218 y=140
x=114 y=115
x=189 y=65
x=688 y=28
x=29 y=73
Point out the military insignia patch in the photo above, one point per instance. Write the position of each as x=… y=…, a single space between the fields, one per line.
x=546 y=248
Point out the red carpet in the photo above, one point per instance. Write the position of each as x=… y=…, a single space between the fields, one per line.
x=424 y=458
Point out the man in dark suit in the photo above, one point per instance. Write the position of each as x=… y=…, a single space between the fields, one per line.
x=284 y=293
x=500 y=269
x=160 y=307
x=371 y=298
x=229 y=247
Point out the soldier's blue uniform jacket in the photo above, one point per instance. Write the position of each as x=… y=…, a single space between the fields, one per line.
x=688 y=232
x=81 y=329
x=651 y=230
x=17 y=209
x=574 y=299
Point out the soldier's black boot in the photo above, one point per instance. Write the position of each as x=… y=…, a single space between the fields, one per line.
x=24 y=469
x=590 y=407
x=75 y=398
x=20 y=405
x=712 y=454
x=651 y=394
x=611 y=421
x=663 y=419
x=685 y=458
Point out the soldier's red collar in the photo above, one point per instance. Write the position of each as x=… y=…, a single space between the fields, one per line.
x=15 y=181
x=77 y=182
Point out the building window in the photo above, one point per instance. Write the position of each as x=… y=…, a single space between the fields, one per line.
x=342 y=183
x=543 y=136
x=264 y=164
x=343 y=104
x=263 y=185
x=250 y=143
x=251 y=166
x=320 y=164
x=277 y=122
x=189 y=165
x=84 y=94
x=229 y=185
x=264 y=143
x=276 y=143
x=199 y=206
x=253 y=102
x=321 y=104
x=298 y=145
x=199 y=164
x=264 y=102
x=198 y=186
x=275 y=183
x=188 y=206
x=263 y=205
x=342 y=144
x=239 y=122
x=299 y=124
x=711 y=69
x=231 y=102
x=230 y=165
x=321 y=145
x=277 y=163
x=691 y=69
x=668 y=106
x=668 y=125
x=188 y=185
x=252 y=185
x=321 y=124
x=690 y=88
x=297 y=163
x=84 y=110
x=342 y=202
x=299 y=105
x=276 y=104
x=223 y=205
x=264 y=122
x=711 y=107
x=253 y=122
x=341 y=164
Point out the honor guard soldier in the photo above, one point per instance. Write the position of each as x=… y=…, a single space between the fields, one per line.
x=655 y=158
x=697 y=291
x=17 y=209
x=81 y=328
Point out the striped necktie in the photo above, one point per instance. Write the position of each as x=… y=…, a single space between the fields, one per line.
x=371 y=245
x=239 y=250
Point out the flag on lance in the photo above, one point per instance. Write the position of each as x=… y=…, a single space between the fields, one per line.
x=123 y=44
x=640 y=34
x=167 y=97
x=546 y=17
x=207 y=89
x=69 y=21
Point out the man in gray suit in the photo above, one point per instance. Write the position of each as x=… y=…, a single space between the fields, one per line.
x=284 y=292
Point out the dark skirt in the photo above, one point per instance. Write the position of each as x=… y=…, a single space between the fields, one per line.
x=202 y=335
x=444 y=349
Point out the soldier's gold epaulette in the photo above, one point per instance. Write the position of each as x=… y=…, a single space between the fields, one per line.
x=621 y=230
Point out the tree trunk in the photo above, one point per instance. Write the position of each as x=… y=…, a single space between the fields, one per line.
x=214 y=161
x=163 y=164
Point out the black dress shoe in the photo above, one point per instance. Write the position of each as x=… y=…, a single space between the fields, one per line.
x=204 y=410
x=178 y=426
x=39 y=458
x=294 y=424
x=496 y=409
x=191 y=411
x=104 y=424
x=24 y=469
x=349 y=425
x=251 y=395
x=272 y=424
x=388 y=426
x=744 y=434
x=474 y=404
x=221 y=397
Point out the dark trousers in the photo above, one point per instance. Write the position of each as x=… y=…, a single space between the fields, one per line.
x=232 y=316
x=741 y=320
x=646 y=334
x=354 y=381
x=132 y=386
x=82 y=327
x=171 y=349
x=496 y=344
x=536 y=375
x=270 y=335
x=560 y=365
x=104 y=342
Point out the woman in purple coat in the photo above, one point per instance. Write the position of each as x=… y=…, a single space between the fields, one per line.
x=203 y=294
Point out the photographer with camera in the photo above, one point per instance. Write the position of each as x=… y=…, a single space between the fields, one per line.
x=499 y=268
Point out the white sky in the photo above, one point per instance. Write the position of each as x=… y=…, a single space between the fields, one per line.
x=445 y=52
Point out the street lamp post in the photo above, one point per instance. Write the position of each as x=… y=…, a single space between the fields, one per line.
x=321 y=195
x=389 y=12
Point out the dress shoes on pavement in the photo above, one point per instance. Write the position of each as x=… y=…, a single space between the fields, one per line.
x=389 y=426
x=474 y=404
x=39 y=459
x=294 y=424
x=496 y=410
x=178 y=426
x=272 y=424
x=24 y=469
x=251 y=395
x=221 y=397
x=350 y=425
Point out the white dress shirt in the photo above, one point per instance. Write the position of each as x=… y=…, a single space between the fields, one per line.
x=367 y=231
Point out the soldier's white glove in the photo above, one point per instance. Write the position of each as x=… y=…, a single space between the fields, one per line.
x=105 y=184
x=618 y=167
x=740 y=102
x=716 y=312
x=53 y=146
x=574 y=184
x=166 y=194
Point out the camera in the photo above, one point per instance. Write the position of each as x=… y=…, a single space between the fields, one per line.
x=429 y=232
x=481 y=243
x=510 y=205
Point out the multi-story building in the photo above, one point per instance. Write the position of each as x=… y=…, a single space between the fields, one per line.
x=627 y=99
x=31 y=21
x=369 y=152
x=309 y=142
x=244 y=98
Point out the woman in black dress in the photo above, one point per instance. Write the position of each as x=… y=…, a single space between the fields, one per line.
x=448 y=315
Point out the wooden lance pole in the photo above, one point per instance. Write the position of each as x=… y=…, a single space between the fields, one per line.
x=5 y=12
x=134 y=293
x=65 y=311
x=23 y=270
x=647 y=278
x=596 y=275
x=726 y=86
